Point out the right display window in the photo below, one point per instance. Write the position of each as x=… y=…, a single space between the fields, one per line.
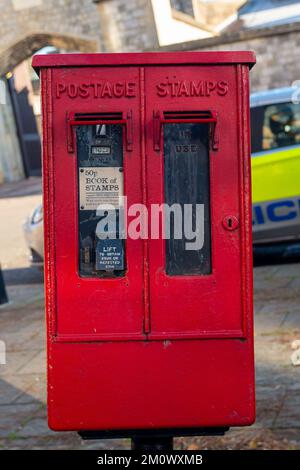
x=187 y=199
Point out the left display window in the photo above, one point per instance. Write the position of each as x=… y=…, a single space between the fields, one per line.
x=100 y=200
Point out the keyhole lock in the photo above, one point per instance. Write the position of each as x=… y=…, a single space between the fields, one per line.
x=230 y=222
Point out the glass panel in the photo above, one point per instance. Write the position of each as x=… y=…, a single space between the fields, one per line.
x=257 y=120
x=100 y=183
x=186 y=175
x=281 y=125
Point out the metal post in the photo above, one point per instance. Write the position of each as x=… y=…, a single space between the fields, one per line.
x=152 y=444
x=3 y=294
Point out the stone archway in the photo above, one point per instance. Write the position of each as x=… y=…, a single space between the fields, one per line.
x=15 y=158
x=27 y=46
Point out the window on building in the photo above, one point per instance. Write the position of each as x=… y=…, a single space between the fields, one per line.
x=184 y=6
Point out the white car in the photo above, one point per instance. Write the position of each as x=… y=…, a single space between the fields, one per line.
x=34 y=234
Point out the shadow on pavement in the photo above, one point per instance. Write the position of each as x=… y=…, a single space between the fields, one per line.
x=276 y=253
x=18 y=276
x=23 y=423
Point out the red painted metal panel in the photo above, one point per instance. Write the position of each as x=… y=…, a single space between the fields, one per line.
x=90 y=308
x=151 y=385
x=146 y=350
x=211 y=305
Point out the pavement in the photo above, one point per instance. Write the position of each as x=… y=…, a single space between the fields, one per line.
x=23 y=422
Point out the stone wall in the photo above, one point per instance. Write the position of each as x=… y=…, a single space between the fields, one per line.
x=277 y=50
x=74 y=25
x=127 y=25
x=28 y=25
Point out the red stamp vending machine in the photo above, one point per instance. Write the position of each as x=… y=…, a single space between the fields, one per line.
x=148 y=251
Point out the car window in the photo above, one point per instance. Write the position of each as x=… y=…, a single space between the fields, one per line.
x=275 y=126
x=257 y=120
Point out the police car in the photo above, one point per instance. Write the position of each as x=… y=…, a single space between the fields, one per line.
x=275 y=139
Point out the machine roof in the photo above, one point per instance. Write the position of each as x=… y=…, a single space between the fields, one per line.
x=147 y=58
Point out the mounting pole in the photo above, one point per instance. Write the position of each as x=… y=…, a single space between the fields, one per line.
x=152 y=444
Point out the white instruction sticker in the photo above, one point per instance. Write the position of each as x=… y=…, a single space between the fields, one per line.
x=99 y=186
